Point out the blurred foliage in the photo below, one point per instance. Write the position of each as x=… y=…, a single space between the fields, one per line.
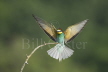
x=17 y=26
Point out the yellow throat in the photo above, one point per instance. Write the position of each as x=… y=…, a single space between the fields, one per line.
x=59 y=31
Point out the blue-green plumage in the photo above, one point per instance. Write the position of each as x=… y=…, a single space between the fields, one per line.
x=60 y=38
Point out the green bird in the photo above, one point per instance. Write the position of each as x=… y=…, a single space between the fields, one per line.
x=60 y=51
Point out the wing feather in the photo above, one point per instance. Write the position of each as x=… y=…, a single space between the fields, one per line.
x=49 y=29
x=72 y=31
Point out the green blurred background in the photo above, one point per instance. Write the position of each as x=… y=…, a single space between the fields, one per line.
x=17 y=27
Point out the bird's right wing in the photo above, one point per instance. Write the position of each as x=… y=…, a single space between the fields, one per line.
x=49 y=29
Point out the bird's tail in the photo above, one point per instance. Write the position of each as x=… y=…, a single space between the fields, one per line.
x=60 y=51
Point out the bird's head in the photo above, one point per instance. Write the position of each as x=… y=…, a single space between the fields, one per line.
x=59 y=31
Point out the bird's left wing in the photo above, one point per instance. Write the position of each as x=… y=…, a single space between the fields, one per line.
x=49 y=29
x=72 y=31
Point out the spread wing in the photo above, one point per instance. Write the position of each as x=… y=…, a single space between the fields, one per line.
x=72 y=31
x=49 y=29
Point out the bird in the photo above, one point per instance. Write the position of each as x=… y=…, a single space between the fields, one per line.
x=60 y=51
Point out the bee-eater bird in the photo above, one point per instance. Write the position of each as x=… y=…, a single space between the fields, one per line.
x=60 y=51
